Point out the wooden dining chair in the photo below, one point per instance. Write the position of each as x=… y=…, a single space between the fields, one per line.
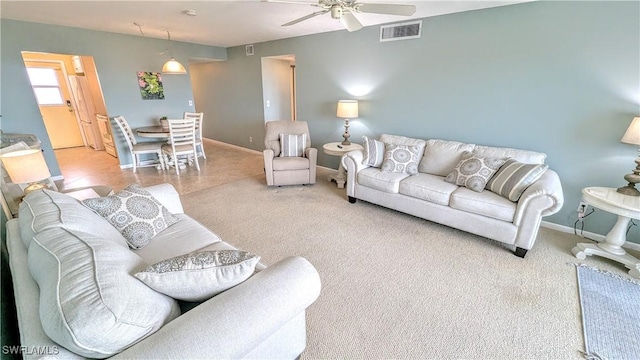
x=199 y=118
x=182 y=135
x=135 y=148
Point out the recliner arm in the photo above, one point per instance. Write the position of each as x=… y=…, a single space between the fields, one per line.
x=312 y=155
x=268 y=155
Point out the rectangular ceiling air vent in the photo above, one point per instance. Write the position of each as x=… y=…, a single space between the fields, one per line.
x=403 y=31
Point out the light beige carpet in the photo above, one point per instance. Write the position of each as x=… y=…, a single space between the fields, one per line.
x=395 y=286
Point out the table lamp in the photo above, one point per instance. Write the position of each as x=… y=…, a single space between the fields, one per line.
x=632 y=136
x=26 y=166
x=347 y=109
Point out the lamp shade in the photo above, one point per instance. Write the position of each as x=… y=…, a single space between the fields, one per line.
x=173 y=67
x=347 y=109
x=632 y=135
x=25 y=166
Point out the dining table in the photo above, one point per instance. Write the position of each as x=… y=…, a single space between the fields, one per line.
x=154 y=131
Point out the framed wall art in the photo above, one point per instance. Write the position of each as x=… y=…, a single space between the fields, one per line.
x=150 y=85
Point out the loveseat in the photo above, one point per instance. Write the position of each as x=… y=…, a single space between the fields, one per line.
x=78 y=292
x=435 y=180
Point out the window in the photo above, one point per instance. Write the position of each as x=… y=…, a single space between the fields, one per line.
x=45 y=86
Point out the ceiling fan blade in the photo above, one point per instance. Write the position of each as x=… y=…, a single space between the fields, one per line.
x=307 y=17
x=389 y=9
x=349 y=21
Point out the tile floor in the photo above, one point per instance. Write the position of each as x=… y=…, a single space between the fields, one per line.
x=84 y=166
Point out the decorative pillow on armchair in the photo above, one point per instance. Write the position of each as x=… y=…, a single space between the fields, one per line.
x=135 y=213
x=292 y=145
x=514 y=178
x=373 y=152
x=401 y=159
x=199 y=275
x=474 y=171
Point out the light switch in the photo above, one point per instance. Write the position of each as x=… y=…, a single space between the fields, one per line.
x=190 y=102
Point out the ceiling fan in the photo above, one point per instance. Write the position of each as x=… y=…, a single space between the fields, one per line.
x=345 y=10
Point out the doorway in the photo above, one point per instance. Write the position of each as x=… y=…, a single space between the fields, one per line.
x=279 y=87
x=69 y=96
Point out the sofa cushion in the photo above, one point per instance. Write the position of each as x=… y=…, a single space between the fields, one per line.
x=293 y=145
x=403 y=140
x=525 y=156
x=199 y=275
x=290 y=163
x=379 y=180
x=90 y=303
x=442 y=156
x=183 y=237
x=46 y=209
x=514 y=177
x=484 y=203
x=373 y=152
x=474 y=171
x=401 y=159
x=428 y=187
x=135 y=213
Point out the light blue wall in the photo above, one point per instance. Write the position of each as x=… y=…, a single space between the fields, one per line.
x=118 y=58
x=558 y=77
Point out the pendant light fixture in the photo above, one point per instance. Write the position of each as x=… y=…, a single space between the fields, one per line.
x=172 y=66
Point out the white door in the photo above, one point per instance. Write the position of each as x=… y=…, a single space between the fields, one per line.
x=54 y=99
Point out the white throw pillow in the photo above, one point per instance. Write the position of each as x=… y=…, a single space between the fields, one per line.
x=292 y=145
x=442 y=156
x=373 y=152
x=89 y=301
x=474 y=171
x=199 y=275
x=135 y=213
x=401 y=159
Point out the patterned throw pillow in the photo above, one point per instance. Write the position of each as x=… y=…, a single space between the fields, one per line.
x=373 y=152
x=401 y=159
x=514 y=178
x=135 y=213
x=474 y=171
x=199 y=275
x=292 y=145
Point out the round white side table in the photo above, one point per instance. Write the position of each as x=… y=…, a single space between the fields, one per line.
x=337 y=149
x=627 y=208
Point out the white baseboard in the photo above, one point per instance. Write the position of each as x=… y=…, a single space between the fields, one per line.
x=236 y=147
x=256 y=152
x=587 y=234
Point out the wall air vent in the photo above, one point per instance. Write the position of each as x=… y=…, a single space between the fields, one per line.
x=403 y=31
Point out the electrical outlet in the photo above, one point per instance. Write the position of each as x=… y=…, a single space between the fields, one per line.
x=250 y=139
x=190 y=102
x=582 y=209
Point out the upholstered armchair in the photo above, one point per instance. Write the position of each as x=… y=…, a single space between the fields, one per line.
x=289 y=158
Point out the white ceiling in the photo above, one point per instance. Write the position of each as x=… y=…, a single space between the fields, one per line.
x=218 y=23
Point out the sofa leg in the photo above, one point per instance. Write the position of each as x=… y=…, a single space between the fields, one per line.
x=520 y=252
x=352 y=199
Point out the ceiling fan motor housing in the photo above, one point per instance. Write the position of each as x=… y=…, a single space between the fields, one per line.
x=336 y=12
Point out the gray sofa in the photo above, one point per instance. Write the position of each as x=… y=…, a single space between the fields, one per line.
x=430 y=197
x=262 y=317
